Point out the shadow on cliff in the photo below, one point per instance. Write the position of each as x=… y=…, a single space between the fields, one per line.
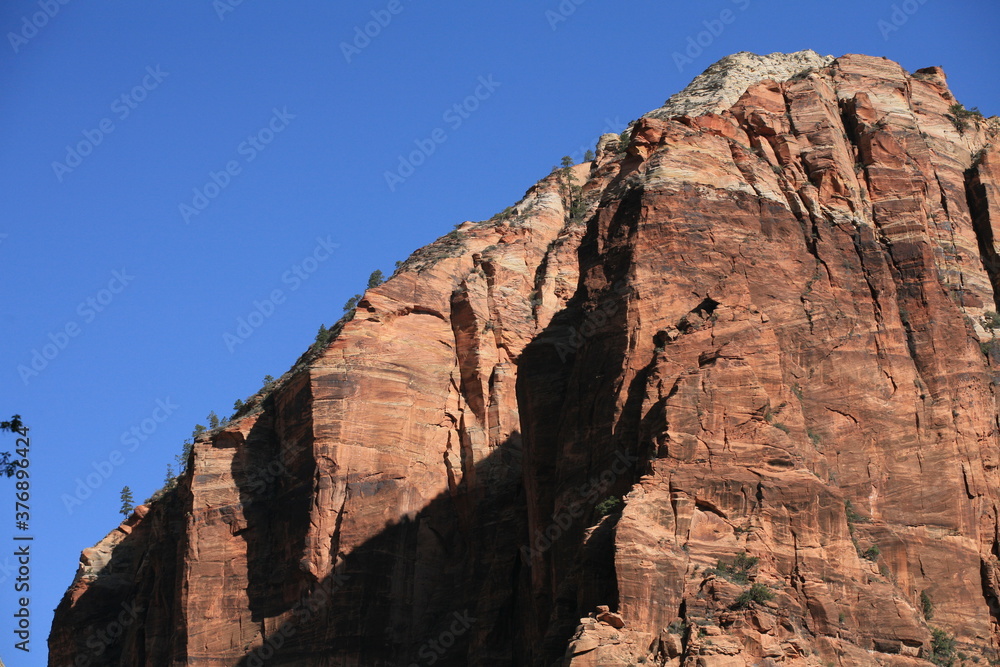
x=450 y=585
x=433 y=588
x=496 y=571
x=126 y=615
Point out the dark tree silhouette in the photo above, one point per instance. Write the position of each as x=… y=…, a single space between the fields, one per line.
x=352 y=303
x=182 y=458
x=15 y=425
x=323 y=335
x=127 y=502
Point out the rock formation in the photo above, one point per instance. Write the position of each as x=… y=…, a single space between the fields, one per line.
x=725 y=395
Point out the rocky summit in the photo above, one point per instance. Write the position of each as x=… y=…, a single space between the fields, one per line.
x=725 y=395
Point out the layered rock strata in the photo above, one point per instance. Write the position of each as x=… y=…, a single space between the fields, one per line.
x=732 y=401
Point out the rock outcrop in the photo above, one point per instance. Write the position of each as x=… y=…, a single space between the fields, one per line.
x=721 y=85
x=725 y=395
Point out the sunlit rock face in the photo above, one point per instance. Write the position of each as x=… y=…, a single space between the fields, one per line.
x=724 y=395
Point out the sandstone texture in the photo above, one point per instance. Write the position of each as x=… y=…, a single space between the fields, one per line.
x=725 y=395
x=722 y=84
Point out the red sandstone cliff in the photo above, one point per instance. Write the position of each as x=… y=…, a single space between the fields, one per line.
x=769 y=332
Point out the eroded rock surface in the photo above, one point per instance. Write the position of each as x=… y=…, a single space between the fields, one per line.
x=766 y=325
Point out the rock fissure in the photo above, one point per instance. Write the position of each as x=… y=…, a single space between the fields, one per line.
x=596 y=417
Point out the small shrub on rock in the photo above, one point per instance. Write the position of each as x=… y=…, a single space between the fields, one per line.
x=756 y=594
x=607 y=506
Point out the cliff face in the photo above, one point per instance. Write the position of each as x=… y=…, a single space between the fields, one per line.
x=766 y=327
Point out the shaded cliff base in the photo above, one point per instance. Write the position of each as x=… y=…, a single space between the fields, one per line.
x=769 y=333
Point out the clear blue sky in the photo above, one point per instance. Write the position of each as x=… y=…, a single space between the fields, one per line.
x=265 y=91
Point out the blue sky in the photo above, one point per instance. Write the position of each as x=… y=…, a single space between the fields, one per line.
x=169 y=166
